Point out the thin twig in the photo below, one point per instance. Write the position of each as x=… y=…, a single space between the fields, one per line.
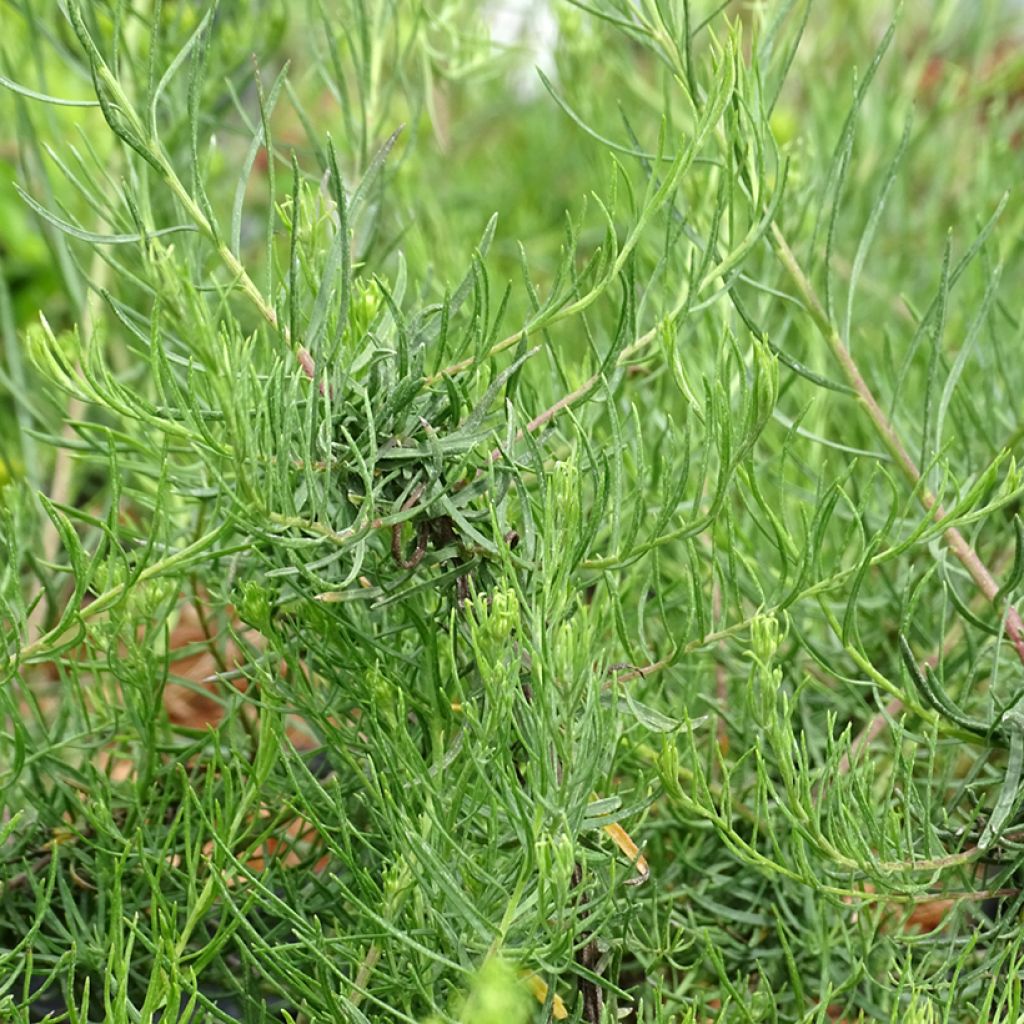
x=586 y=956
x=631 y=672
x=569 y=400
x=960 y=547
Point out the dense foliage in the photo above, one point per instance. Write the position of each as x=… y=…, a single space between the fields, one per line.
x=495 y=545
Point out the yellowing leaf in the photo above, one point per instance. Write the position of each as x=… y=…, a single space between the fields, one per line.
x=539 y=988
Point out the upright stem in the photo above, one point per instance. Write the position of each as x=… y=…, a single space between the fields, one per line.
x=60 y=491
x=956 y=541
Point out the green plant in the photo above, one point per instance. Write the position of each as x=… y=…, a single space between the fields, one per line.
x=617 y=624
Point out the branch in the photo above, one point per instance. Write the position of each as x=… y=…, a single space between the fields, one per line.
x=955 y=540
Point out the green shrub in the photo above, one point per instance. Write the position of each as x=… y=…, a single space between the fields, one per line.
x=484 y=546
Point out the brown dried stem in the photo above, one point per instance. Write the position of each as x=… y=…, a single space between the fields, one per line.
x=955 y=540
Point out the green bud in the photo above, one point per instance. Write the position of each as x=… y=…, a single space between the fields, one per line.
x=254 y=607
x=668 y=766
x=764 y=638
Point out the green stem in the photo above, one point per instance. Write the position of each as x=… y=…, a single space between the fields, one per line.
x=192 y=208
x=111 y=597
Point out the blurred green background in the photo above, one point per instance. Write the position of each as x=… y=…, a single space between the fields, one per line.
x=487 y=137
